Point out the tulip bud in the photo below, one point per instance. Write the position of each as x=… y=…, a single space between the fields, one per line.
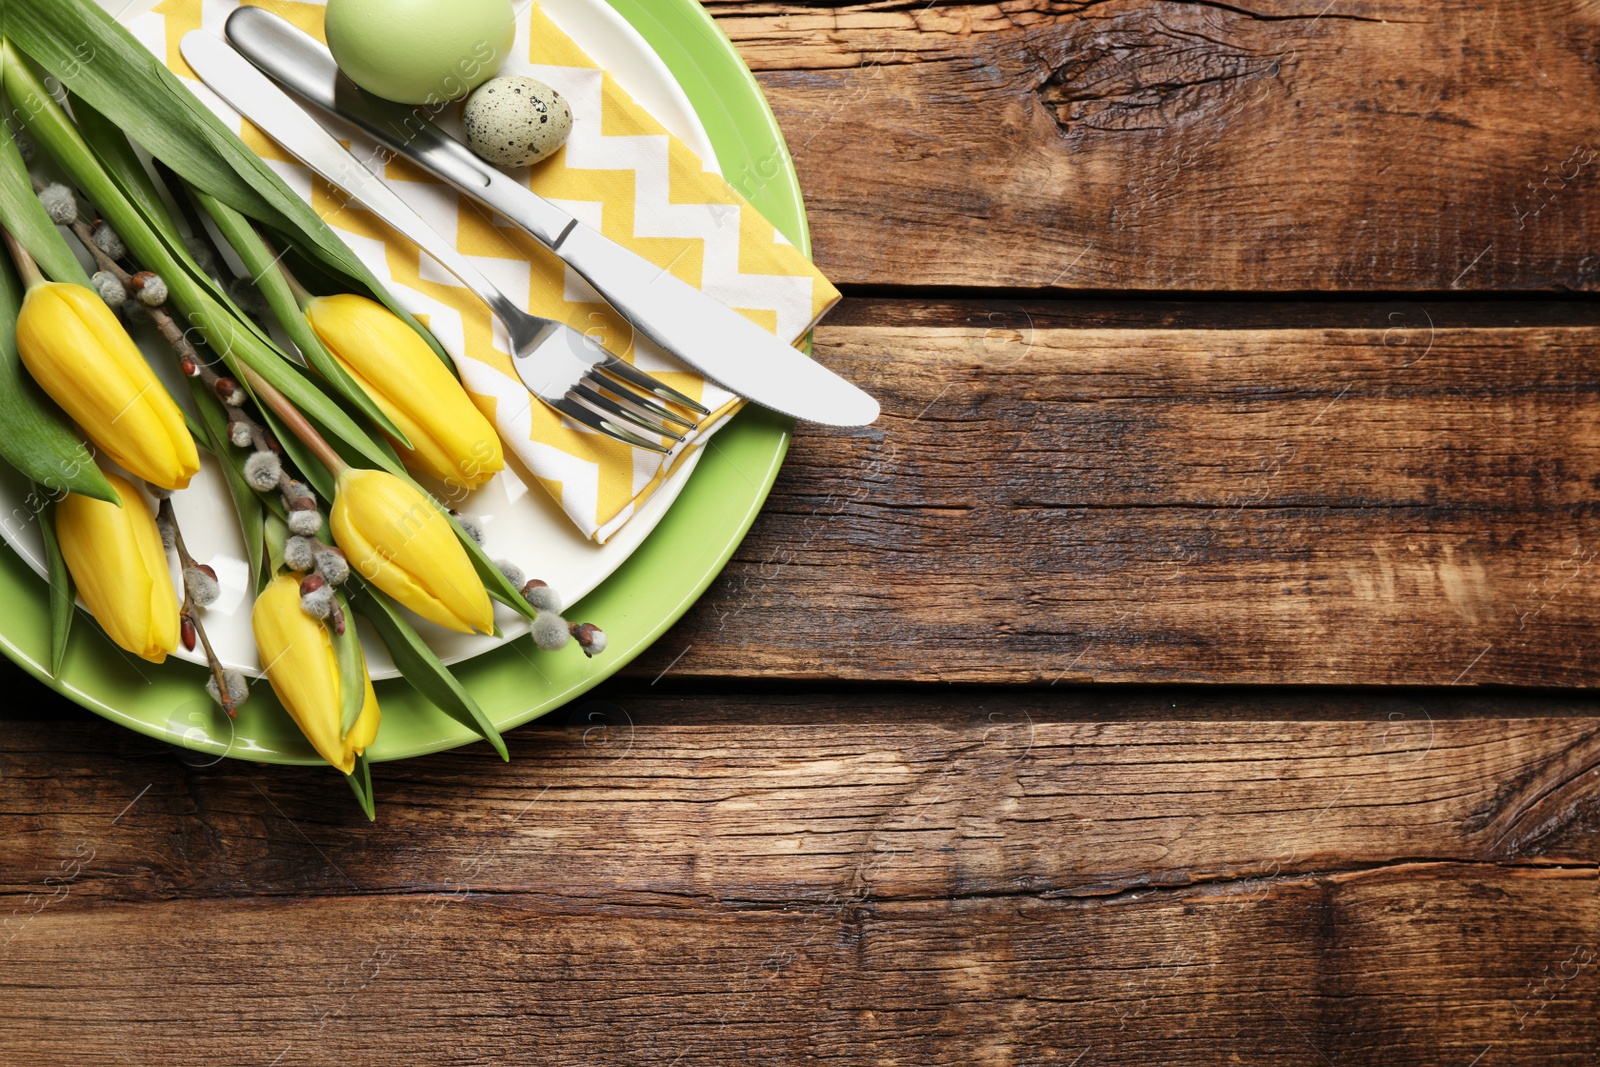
x=303 y=669
x=79 y=353
x=116 y=559
x=398 y=539
x=450 y=438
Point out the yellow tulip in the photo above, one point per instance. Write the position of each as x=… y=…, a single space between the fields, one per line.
x=79 y=354
x=117 y=561
x=297 y=653
x=397 y=539
x=450 y=438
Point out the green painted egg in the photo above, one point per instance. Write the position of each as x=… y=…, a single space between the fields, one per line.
x=420 y=51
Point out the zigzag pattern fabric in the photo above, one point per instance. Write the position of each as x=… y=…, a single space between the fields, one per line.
x=620 y=172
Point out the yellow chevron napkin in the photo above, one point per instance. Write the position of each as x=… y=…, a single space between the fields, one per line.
x=620 y=172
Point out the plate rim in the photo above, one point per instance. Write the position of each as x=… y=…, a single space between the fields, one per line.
x=703 y=61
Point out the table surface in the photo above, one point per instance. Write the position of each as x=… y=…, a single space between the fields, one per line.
x=1193 y=665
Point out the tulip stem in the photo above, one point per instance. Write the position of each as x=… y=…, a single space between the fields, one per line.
x=302 y=296
x=31 y=274
x=297 y=423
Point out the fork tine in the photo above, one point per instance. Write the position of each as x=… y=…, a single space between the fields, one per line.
x=643 y=404
x=596 y=421
x=621 y=410
x=633 y=376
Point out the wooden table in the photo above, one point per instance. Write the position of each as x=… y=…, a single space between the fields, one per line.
x=1192 y=666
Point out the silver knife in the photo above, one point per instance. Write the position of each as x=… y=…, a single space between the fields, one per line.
x=555 y=361
x=682 y=320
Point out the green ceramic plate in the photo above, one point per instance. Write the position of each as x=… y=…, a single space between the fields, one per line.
x=635 y=605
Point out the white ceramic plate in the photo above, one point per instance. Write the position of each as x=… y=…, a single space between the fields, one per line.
x=520 y=522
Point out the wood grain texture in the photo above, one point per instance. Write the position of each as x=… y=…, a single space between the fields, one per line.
x=1131 y=144
x=1432 y=964
x=917 y=879
x=638 y=798
x=1388 y=501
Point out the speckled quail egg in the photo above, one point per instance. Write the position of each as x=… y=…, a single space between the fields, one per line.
x=515 y=121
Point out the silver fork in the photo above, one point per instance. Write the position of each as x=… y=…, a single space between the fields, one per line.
x=575 y=376
x=562 y=367
x=558 y=364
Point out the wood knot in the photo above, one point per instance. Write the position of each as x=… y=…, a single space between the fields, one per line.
x=1140 y=72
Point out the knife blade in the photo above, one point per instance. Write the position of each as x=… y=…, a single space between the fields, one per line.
x=550 y=357
x=690 y=324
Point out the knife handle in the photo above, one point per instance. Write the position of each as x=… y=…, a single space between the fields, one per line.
x=297 y=60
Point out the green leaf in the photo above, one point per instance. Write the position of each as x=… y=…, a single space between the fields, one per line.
x=361 y=785
x=264 y=270
x=102 y=63
x=62 y=606
x=329 y=418
x=493 y=578
x=352 y=670
x=116 y=154
x=423 y=670
x=246 y=504
x=237 y=342
x=99 y=61
x=27 y=219
x=276 y=534
x=36 y=437
x=119 y=160
x=224 y=332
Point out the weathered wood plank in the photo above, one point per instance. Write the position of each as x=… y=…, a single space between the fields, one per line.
x=1387 y=502
x=982 y=877
x=636 y=798
x=1133 y=144
x=1417 y=963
